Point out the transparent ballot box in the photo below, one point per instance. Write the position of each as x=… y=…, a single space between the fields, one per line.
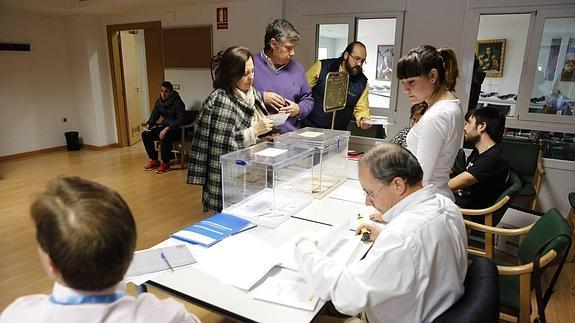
x=330 y=155
x=267 y=183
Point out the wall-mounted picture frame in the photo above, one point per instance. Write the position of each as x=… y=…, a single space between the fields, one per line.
x=491 y=55
x=384 y=64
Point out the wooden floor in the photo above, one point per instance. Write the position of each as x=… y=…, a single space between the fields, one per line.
x=162 y=204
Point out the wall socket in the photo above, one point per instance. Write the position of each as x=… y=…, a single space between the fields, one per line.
x=176 y=86
x=64 y=119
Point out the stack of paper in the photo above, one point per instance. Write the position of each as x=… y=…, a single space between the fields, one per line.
x=156 y=260
x=285 y=292
x=213 y=229
x=239 y=261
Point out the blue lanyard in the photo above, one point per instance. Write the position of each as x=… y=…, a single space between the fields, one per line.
x=88 y=299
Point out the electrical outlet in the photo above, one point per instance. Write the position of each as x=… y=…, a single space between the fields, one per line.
x=64 y=119
x=176 y=86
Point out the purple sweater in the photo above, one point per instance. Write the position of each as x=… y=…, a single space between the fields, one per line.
x=290 y=82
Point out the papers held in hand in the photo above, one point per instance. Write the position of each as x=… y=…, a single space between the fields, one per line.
x=151 y=260
x=213 y=229
x=278 y=119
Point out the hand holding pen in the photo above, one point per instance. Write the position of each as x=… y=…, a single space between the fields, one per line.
x=372 y=230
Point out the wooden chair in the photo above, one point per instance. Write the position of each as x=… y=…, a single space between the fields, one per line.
x=181 y=147
x=571 y=221
x=491 y=216
x=546 y=242
x=525 y=158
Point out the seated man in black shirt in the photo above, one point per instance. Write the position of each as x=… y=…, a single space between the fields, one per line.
x=486 y=170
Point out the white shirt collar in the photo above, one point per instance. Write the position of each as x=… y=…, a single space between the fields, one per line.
x=61 y=291
x=270 y=63
x=412 y=200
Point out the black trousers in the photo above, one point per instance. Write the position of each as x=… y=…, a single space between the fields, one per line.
x=148 y=137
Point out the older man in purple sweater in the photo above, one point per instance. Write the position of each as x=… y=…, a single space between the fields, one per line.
x=280 y=79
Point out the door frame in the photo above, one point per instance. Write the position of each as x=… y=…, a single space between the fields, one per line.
x=154 y=68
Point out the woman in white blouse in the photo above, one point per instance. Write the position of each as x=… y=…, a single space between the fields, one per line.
x=429 y=74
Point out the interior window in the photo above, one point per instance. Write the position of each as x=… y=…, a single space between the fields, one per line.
x=553 y=89
x=332 y=40
x=378 y=35
x=499 y=52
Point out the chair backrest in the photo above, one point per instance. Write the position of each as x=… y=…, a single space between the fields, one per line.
x=480 y=301
x=551 y=231
x=190 y=116
x=522 y=156
x=513 y=187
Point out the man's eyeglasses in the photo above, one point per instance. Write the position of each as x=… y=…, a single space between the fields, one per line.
x=374 y=193
x=358 y=59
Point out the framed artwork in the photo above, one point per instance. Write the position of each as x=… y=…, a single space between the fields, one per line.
x=384 y=67
x=491 y=55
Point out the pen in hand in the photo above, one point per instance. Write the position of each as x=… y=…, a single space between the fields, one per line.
x=364 y=231
x=166 y=260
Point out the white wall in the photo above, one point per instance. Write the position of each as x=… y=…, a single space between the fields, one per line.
x=91 y=80
x=35 y=87
x=513 y=28
x=246 y=27
x=67 y=73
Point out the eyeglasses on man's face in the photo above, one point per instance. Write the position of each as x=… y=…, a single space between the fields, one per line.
x=358 y=59
x=371 y=196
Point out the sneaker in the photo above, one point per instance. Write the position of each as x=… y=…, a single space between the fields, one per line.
x=152 y=164
x=164 y=167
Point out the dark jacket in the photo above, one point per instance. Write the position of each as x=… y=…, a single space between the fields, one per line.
x=318 y=118
x=172 y=110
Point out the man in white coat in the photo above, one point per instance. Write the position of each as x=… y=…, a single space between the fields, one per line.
x=417 y=264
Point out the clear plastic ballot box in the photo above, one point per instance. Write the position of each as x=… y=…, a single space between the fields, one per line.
x=267 y=183
x=330 y=155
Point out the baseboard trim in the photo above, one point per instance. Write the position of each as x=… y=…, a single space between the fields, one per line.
x=32 y=153
x=91 y=147
x=49 y=150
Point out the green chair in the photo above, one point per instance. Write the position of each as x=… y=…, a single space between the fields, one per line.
x=525 y=159
x=491 y=215
x=546 y=242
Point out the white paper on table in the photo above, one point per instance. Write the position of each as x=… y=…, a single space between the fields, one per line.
x=350 y=191
x=278 y=119
x=311 y=134
x=287 y=250
x=149 y=263
x=340 y=244
x=240 y=260
x=271 y=152
x=285 y=292
x=375 y=120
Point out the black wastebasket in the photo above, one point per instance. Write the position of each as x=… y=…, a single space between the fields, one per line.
x=72 y=140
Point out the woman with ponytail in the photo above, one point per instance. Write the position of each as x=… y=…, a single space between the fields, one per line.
x=428 y=75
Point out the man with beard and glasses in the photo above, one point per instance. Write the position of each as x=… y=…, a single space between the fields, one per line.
x=357 y=103
x=486 y=171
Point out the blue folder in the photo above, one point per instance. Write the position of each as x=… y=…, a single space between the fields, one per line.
x=213 y=229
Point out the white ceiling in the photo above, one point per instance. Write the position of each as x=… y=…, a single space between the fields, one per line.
x=95 y=7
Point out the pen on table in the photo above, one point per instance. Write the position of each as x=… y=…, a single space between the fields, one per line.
x=364 y=231
x=166 y=260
